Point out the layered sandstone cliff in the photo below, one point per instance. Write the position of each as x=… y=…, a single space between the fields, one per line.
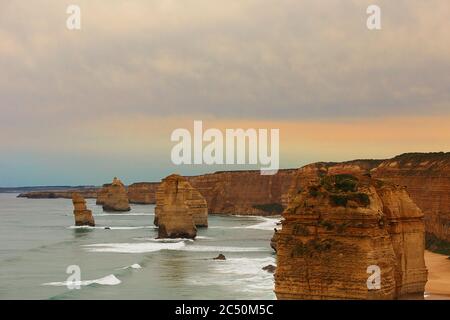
x=193 y=199
x=142 y=192
x=116 y=198
x=173 y=214
x=340 y=225
x=427 y=178
x=244 y=192
x=83 y=216
x=102 y=194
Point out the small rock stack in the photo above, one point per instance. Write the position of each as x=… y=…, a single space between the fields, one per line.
x=83 y=216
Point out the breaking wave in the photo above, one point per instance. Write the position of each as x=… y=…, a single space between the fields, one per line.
x=164 y=244
x=110 y=280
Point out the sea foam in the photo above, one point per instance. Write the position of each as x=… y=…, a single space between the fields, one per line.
x=153 y=246
x=110 y=280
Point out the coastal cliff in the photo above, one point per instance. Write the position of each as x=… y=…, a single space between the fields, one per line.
x=142 y=192
x=244 y=192
x=339 y=225
x=427 y=178
x=87 y=193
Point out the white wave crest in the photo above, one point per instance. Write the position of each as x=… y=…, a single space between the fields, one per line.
x=133 y=266
x=112 y=228
x=153 y=246
x=133 y=247
x=110 y=280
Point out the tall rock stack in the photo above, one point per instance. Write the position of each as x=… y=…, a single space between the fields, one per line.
x=173 y=215
x=196 y=203
x=83 y=216
x=117 y=197
x=405 y=222
x=340 y=226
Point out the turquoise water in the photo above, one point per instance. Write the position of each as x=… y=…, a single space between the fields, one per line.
x=38 y=243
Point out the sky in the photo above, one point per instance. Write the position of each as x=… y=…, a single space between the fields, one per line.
x=80 y=107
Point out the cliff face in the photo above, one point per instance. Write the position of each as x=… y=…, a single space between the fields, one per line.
x=63 y=194
x=102 y=194
x=193 y=199
x=337 y=226
x=427 y=178
x=173 y=215
x=142 y=192
x=244 y=192
x=83 y=216
x=116 y=198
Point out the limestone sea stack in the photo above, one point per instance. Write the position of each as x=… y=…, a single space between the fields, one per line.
x=193 y=199
x=173 y=215
x=339 y=228
x=83 y=216
x=116 y=198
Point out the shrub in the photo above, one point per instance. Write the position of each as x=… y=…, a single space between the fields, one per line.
x=314 y=191
x=340 y=200
x=437 y=245
x=340 y=183
x=270 y=207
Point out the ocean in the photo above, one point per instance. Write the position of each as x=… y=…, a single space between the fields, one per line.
x=39 y=242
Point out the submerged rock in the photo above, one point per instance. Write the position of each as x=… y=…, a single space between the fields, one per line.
x=116 y=198
x=173 y=215
x=270 y=268
x=273 y=241
x=83 y=216
x=338 y=229
x=220 y=257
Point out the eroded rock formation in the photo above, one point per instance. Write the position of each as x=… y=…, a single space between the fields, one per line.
x=336 y=226
x=173 y=215
x=427 y=178
x=116 y=198
x=102 y=194
x=60 y=194
x=83 y=216
x=142 y=192
x=244 y=192
x=195 y=202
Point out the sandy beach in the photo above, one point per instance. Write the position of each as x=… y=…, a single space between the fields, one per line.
x=438 y=285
